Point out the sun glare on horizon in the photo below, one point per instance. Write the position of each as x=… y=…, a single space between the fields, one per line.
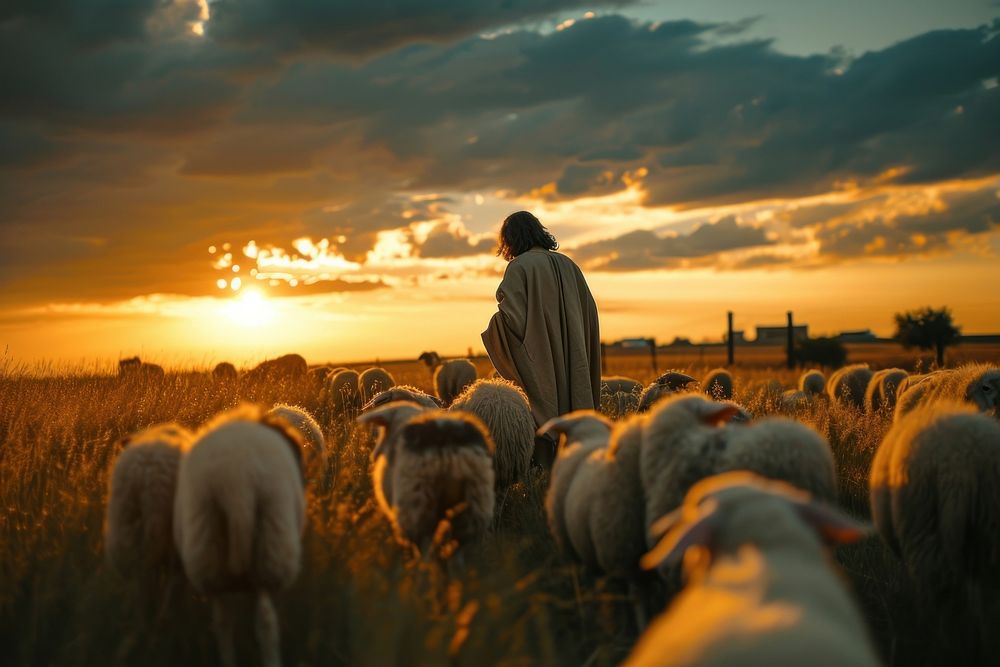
x=250 y=308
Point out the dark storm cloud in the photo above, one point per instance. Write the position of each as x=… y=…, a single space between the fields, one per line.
x=353 y=28
x=643 y=249
x=129 y=133
x=964 y=214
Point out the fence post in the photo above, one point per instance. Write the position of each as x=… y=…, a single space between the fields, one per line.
x=730 y=343
x=652 y=350
x=790 y=351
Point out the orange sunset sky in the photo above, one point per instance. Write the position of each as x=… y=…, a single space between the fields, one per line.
x=198 y=181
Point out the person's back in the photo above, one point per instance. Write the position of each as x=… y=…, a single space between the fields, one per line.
x=546 y=335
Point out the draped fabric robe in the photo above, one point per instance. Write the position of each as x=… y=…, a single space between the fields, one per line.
x=545 y=336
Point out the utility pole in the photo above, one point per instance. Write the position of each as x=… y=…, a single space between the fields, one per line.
x=652 y=352
x=730 y=343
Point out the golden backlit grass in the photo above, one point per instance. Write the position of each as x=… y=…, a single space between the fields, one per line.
x=361 y=599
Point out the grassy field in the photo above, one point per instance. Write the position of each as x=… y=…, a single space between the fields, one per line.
x=361 y=600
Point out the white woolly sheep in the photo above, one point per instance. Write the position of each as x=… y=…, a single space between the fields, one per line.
x=760 y=588
x=882 y=391
x=342 y=392
x=239 y=516
x=812 y=382
x=975 y=384
x=580 y=433
x=503 y=407
x=306 y=424
x=403 y=392
x=138 y=529
x=794 y=400
x=671 y=382
x=373 y=381
x=452 y=377
x=847 y=385
x=433 y=467
x=935 y=496
x=689 y=438
x=718 y=384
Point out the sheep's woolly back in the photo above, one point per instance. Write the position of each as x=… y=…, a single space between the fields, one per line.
x=443 y=472
x=935 y=496
x=581 y=432
x=785 y=450
x=975 y=384
x=718 y=384
x=503 y=408
x=452 y=377
x=343 y=393
x=373 y=381
x=224 y=371
x=764 y=595
x=139 y=520
x=239 y=513
x=304 y=422
x=813 y=383
x=679 y=448
x=883 y=388
x=848 y=385
x=404 y=392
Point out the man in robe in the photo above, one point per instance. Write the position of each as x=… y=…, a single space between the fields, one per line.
x=545 y=336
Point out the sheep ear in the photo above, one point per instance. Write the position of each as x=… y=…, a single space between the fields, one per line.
x=681 y=535
x=557 y=425
x=377 y=414
x=834 y=526
x=720 y=413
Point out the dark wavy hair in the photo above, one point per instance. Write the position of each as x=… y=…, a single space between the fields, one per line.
x=521 y=232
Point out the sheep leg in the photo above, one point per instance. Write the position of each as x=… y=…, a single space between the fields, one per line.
x=224 y=625
x=267 y=631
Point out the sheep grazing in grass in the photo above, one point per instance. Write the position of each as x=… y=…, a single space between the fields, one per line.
x=404 y=393
x=881 y=392
x=342 y=392
x=503 y=407
x=760 y=589
x=138 y=530
x=619 y=396
x=794 y=400
x=975 y=384
x=580 y=433
x=433 y=469
x=813 y=383
x=671 y=382
x=373 y=381
x=847 y=386
x=224 y=372
x=614 y=384
x=286 y=367
x=452 y=377
x=689 y=438
x=718 y=384
x=306 y=424
x=239 y=516
x=432 y=359
x=935 y=497
x=135 y=369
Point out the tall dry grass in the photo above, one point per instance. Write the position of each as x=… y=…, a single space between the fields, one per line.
x=361 y=599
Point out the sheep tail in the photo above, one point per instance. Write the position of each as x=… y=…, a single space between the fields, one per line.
x=240 y=512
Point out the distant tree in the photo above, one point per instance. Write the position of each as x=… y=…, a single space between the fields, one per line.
x=828 y=352
x=927 y=329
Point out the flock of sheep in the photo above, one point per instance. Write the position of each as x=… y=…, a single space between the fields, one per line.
x=669 y=478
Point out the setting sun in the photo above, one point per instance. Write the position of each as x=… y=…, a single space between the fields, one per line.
x=249 y=309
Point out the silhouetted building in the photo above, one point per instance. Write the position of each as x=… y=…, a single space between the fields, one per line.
x=859 y=336
x=779 y=335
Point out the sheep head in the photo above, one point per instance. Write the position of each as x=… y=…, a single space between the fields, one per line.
x=723 y=512
x=390 y=418
x=984 y=391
